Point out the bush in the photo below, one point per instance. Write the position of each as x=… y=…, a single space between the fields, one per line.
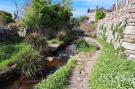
x=38 y=42
x=43 y=14
x=100 y=15
x=61 y=35
x=83 y=46
x=59 y=79
x=30 y=64
x=5 y=18
x=83 y=18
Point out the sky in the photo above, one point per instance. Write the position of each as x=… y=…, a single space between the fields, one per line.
x=79 y=6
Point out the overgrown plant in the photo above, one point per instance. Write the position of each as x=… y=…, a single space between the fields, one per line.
x=30 y=64
x=100 y=15
x=83 y=46
x=38 y=42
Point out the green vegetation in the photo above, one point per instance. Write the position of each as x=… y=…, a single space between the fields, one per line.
x=100 y=15
x=30 y=64
x=82 y=18
x=54 y=41
x=83 y=46
x=43 y=14
x=10 y=52
x=112 y=71
x=59 y=79
x=5 y=18
x=38 y=42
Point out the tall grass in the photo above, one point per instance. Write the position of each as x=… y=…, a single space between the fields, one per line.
x=13 y=51
x=112 y=71
x=59 y=79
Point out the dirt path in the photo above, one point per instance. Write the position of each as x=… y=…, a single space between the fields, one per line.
x=81 y=73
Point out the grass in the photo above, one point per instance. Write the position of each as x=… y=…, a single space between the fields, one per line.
x=10 y=52
x=112 y=71
x=88 y=49
x=59 y=79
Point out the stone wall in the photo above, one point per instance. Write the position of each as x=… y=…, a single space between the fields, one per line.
x=6 y=34
x=118 y=28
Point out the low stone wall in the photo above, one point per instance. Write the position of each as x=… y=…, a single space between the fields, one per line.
x=8 y=35
x=118 y=28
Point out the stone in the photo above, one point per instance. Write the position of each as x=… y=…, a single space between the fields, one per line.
x=129 y=38
x=131 y=56
x=131 y=21
x=129 y=46
x=49 y=59
x=131 y=24
x=129 y=30
x=130 y=51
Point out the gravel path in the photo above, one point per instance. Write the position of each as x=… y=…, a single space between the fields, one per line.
x=80 y=76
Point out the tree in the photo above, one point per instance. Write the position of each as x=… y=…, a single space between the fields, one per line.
x=67 y=4
x=45 y=14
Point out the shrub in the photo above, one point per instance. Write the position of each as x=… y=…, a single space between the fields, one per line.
x=43 y=14
x=61 y=35
x=82 y=18
x=38 y=42
x=30 y=64
x=100 y=15
x=5 y=18
x=83 y=46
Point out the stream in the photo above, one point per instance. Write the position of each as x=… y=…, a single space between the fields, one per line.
x=16 y=81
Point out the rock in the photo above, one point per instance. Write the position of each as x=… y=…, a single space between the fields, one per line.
x=129 y=30
x=129 y=38
x=130 y=52
x=131 y=56
x=49 y=59
x=131 y=24
x=128 y=46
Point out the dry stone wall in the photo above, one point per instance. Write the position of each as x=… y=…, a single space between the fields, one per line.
x=118 y=28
